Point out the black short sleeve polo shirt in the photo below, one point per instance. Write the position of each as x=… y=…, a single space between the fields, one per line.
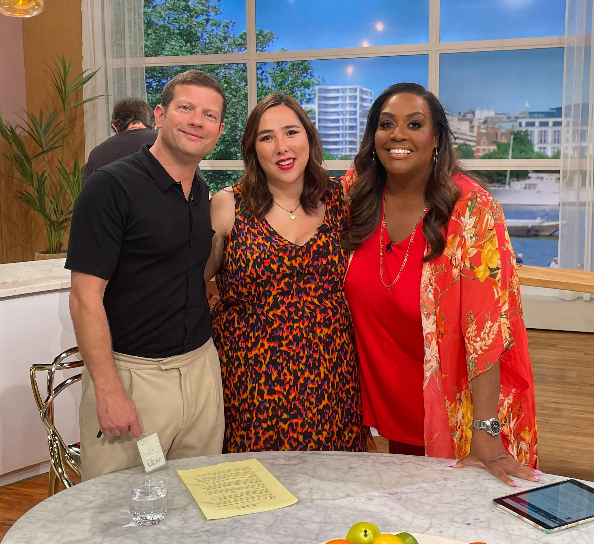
x=133 y=226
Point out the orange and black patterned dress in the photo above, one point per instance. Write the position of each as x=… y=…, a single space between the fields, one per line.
x=285 y=340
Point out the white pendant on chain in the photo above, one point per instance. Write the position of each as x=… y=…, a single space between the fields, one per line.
x=293 y=217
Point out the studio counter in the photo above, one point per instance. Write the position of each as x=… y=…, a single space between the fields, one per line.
x=35 y=326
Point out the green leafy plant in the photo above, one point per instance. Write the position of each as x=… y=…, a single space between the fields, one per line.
x=36 y=150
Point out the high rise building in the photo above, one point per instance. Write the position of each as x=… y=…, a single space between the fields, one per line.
x=544 y=130
x=340 y=115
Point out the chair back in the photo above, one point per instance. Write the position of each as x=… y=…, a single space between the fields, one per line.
x=61 y=454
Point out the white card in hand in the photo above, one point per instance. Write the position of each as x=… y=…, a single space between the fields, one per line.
x=151 y=452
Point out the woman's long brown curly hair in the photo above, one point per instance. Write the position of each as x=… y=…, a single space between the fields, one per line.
x=441 y=193
x=254 y=190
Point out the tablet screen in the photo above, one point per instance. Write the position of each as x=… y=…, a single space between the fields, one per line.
x=553 y=506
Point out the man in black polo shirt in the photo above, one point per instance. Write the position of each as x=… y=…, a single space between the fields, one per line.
x=139 y=242
x=131 y=122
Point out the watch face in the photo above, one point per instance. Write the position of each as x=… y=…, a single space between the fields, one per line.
x=495 y=427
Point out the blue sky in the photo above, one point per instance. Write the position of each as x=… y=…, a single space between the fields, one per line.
x=502 y=80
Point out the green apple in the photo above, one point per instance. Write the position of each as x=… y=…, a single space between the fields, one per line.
x=363 y=533
x=407 y=538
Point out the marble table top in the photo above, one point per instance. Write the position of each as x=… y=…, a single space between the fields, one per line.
x=335 y=490
x=29 y=277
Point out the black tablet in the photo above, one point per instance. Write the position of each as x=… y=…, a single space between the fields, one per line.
x=552 y=507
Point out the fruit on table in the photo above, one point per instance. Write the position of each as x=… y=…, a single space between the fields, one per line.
x=407 y=538
x=338 y=541
x=362 y=533
x=386 y=538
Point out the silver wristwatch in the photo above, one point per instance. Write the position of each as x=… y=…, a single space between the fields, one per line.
x=492 y=426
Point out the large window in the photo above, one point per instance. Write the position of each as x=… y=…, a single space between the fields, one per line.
x=311 y=24
x=496 y=66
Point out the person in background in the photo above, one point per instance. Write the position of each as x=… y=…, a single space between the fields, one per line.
x=140 y=239
x=282 y=326
x=554 y=263
x=131 y=122
x=435 y=297
x=519 y=258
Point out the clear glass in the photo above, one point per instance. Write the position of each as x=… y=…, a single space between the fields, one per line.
x=530 y=202
x=501 y=19
x=233 y=79
x=148 y=500
x=21 y=8
x=310 y=24
x=338 y=93
x=174 y=28
x=490 y=95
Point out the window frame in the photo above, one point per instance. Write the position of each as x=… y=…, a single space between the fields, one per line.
x=433 y=49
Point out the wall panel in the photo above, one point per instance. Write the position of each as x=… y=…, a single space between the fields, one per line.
x=58 y=30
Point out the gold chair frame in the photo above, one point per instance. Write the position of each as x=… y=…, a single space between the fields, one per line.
x=61 y=454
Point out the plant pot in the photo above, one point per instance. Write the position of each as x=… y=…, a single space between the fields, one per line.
x=44 y=255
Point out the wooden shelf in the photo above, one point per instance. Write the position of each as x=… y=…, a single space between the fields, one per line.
x=557 y=278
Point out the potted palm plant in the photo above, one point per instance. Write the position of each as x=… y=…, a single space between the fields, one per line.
x=36 y=151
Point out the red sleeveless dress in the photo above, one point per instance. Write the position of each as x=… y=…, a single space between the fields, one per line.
x=389 y=335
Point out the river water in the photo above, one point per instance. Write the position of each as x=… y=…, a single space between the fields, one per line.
x=537 y=250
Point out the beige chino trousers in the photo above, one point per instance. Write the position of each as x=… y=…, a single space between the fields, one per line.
x=180 y=398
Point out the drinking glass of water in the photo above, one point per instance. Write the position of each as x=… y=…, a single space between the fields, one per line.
x=148 y=500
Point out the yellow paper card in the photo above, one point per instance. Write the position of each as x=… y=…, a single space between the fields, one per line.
x=235 y=489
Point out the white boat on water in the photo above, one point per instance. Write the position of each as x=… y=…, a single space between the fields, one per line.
x=539 y=189
x=531 y=227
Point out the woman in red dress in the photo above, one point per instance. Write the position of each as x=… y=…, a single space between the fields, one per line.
x=434 y=295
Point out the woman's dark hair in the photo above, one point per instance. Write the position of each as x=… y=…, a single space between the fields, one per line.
x=441 y=193
x=254 y=190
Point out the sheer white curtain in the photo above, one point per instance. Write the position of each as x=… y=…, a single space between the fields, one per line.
x=576 y=243
x=113 y=43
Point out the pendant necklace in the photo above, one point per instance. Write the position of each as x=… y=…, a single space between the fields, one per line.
x=291 y=212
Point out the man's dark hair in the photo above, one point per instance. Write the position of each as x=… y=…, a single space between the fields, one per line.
x=193 y=77
x=131 y=110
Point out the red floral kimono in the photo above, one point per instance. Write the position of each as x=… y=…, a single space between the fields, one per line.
x=472 y=317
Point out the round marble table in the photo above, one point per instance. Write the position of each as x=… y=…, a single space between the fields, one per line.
x=335 y=490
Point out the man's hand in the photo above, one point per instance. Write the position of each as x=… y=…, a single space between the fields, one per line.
x=117 y=414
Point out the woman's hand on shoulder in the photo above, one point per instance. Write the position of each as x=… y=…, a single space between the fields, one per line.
x=347 y=181
x=489 y=452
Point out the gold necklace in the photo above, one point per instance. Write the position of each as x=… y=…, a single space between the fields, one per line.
x=381 y=248
x=291 y=212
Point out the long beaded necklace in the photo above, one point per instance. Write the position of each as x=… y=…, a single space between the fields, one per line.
x=389 y=245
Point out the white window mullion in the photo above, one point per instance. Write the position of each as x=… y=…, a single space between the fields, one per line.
x=511 y=164
x=252 y=73
x=221 y=165
x=353 y=52
x=434 y=36
x=502 y=45
x=468 y=164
